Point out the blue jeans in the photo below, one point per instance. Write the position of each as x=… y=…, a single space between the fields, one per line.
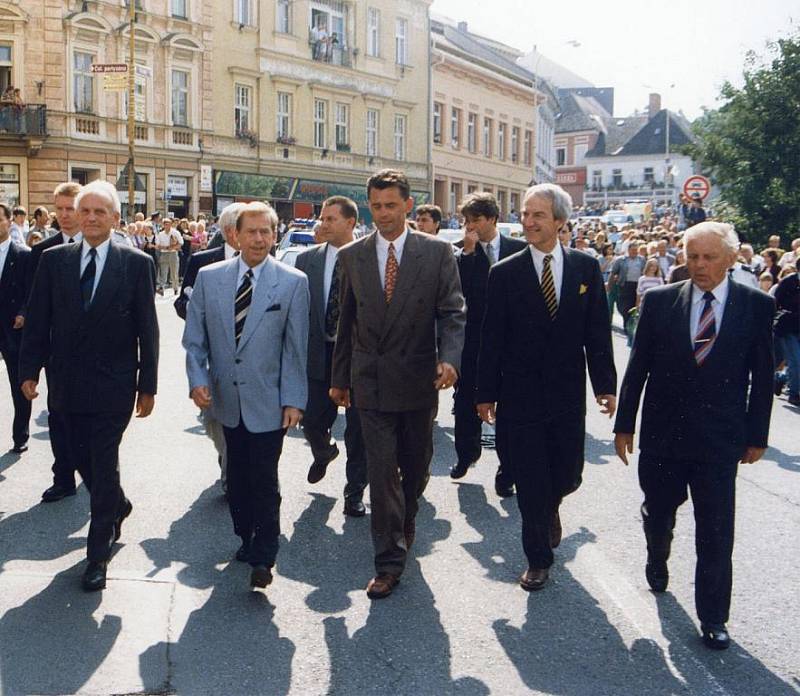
x=791 y=353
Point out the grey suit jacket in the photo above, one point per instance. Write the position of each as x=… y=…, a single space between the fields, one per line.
x=387 y=354
x=266 y=372
x=312 y=263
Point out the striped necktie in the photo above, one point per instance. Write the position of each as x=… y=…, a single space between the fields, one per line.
x=243 y=297
x=706 y=331
x=549 y=287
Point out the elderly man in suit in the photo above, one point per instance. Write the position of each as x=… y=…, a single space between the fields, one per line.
x=399 y=340
x=546 y=318
x=483 y=247
x=337 y=221
x=246 y=338
x=693 y=337
x=92 y=320
x=14 y=260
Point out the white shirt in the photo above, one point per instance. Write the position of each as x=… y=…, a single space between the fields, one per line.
x=19 y=233
x=495 y=244
x=556 y=266
x=718 y=305
x=243 y=268
x=230 y=252
x=77 y=237
x=165 y=239
x=4 y=253
x=382 y=247
x=99 y=261
x=330 y=261
x=743 y=276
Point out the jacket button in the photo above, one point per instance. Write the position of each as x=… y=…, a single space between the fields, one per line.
x=238 y=361
x=235 y=384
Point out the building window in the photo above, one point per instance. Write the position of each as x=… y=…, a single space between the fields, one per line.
x=399 y=137
x=342 y=126
x=83 y=82
x=283 y=22
x=487 y=137
x=401 y=41
x=455 y=127
x=6 y=67
x=180 y=98
x=616 y=177
x=515 y=144
x=649 y=177
x=373 y=32
x=514 y=202
x=437 y=123
x=327 y=31
x=283 y=115
x=501 y=140
x=320 y=123
x=472 y=134
x=526 y=148
x=597 y=179
x=501 y=202
x=372 y=133
x=243 y=12
x=561 y=156
x=177 y=9
x=241 y=109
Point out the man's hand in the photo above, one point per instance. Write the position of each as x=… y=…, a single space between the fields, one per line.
x=752 y=455
x=341 y=397
x=29 y=389
x=201 y=397
x=486 y=413
x=447 y=375
x=623 y=443
x=291 y=417
x=19 y=321
x=608 y=404
x=470 y=241
x=144 y=404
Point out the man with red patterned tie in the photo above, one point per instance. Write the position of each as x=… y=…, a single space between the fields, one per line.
x=704 y=347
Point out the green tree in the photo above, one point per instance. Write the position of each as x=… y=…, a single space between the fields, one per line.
x=750 y=146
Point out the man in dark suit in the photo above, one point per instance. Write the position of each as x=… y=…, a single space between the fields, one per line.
x=546 y=318
x=693 y=337
x=400 y=295
x=483 y=247
x=337 y=221
x=14 y=260
x=92 y=320
x=64 y=459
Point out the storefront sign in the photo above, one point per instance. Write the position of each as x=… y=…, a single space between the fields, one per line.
x=206 y=181
x=253 y=185
x=177 y=187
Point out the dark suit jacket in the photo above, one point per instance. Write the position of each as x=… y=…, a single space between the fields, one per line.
x=13 y=283
x=534 y=368
x=312 y=263
x=36 y=254
x=387 y=354
x=705 y=412
x=97 y=360
x=196 y=262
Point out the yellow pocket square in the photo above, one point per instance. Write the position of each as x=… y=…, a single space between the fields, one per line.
x=583 y=289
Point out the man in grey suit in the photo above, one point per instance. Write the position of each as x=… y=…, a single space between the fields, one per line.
x=246 y=338
x=400 y=296
x=319 y=263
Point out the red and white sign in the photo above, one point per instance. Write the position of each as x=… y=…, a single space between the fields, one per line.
x=107 y=68
x=697 y=187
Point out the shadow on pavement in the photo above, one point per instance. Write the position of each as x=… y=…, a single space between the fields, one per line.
x=599 y=452
x=783 y=460
x=8 y=460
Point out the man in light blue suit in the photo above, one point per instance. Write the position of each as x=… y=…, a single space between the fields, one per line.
x=246 y=342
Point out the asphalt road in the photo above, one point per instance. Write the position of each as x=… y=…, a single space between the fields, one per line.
x=178 y=615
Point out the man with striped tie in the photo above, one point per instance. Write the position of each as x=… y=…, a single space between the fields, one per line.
x=546 y=319
x=246 y=338
x=704 y=347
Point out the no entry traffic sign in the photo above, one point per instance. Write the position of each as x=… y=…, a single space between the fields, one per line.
x=697 y=187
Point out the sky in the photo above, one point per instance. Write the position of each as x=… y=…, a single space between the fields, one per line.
x=683 y=50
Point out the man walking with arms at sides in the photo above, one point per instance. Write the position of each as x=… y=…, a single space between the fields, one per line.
x=546 y=318
x=92 y=320
x=400 y=295
x=483 y=247
x=693 y=337
x=246 y=338
x=337 y=221
x=168 y=243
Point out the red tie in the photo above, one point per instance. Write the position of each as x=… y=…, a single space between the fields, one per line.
x=391 y=274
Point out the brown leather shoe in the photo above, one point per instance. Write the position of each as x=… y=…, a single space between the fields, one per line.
x=555 y=530
x=410 y=533
x=534 y=579
x=381 y=585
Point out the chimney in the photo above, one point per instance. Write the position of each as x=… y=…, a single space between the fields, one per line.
x=654 y=106
x=462 y=27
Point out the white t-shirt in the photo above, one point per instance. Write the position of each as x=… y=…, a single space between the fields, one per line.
x=165 y=239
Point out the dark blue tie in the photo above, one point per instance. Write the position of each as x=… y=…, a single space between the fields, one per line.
x=87 y=280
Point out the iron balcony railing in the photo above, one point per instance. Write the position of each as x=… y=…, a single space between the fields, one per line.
x=28 y=120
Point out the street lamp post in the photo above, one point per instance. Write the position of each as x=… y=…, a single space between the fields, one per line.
x=131 y=107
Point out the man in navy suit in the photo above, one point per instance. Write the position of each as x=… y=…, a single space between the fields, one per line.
x=704 y=348
x=14 y=260
x=546 y=318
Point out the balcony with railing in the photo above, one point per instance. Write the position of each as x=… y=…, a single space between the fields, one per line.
x=25 y=121
x=329 y=49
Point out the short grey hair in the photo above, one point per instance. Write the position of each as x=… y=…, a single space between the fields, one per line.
x=102 y=188
x=719 y=229
x=229 y=214
x=258 y=208
x=561 y=200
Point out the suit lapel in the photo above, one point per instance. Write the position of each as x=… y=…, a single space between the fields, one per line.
x=109 y=283
x=370 y=276
x=531 y=289
x=406 y=279
x=7 y=270
x=570 y=280
x=683 y=322
x=505 y=249
x=225 y=295
x=316 y=282
x=71 y=271
x=263 y=296
x=727 y=328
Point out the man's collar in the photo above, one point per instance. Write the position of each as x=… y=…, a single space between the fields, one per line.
x=720 y=292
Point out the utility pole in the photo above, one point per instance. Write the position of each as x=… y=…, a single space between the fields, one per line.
x=131 y=107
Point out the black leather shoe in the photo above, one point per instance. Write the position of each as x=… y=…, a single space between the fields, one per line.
x=57 y=492
x=354 y=508
x=127 y=508
x=19 y=449
x=715 y=636
x=657 y=576
x=94 y=577
x=317 y=470
x=261 y=576
x=534 y=579
x=503 y=489
x=243 y=553
x=459 y=470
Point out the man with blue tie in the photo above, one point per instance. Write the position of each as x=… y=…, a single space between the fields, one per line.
x=704 y=348
x=246 y=338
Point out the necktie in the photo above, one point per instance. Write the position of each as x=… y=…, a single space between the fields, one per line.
x=706 y=331
x=87 y=280
x=72 y=240
x=490 y=254
x=332 y=307
x=549 y=287
x=390 y=275
x=243 y=297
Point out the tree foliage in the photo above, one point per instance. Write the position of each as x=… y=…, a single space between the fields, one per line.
x=750 y=146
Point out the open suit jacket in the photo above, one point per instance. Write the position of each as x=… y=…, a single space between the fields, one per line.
x=312 y=263
x=533 y=367
x=703 y=413
x=387 y=354
x=196 y=262
x=266 y=372
x=97 y=360
x=36 y=254
x=13 y=280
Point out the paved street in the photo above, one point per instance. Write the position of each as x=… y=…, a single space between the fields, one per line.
x=178 y=615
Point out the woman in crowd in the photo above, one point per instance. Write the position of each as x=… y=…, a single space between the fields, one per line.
x=771 y=257
x=787 y=332
x=650 y=278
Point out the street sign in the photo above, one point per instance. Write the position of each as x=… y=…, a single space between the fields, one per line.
x=115 y=82
x=109 y=68
x=697 y=186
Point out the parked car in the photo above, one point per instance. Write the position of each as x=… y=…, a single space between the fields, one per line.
x=292 y=238
x=617 y=218
x=510 y=229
